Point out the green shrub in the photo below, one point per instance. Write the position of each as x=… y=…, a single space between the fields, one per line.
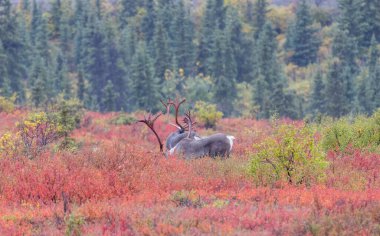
x=7 y=105
x=207 y=114
x=362 y=132
x=186 y=198
x=37 y=131
x=74 y=225
x=291 y=154
x=123 y=119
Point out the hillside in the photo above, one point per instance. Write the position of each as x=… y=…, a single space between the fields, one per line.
x=249 y=58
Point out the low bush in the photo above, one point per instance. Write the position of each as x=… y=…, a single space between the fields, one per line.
x=7 y=105
x=122 y=119
x=37 y=131
x=291 y=154
x=8 y=145
x=362 y=132
x=207 y=114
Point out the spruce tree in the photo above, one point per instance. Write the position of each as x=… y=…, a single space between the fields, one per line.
x=162 y=55
x=224 y=73
x=148 y=21
x=352 y=20
x=373 y=80
x=35 y=22
x=336 y=103
x=56 y=16
x=4 y=79
x=109 y=98
x=241 y=45
x=317 y=99
x=270 y=82
x=183 y=45
x=305 y=43
x=143 y=83
x=13 y=50
x=345 y=48
x=39 y=82
x=94 y=58
x=116 y=69
x=260 y=16
x=62 y=83
x=207 y=39
x=128 y=9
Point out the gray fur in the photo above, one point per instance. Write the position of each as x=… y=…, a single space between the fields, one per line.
x=175 y=137
x=213 y=146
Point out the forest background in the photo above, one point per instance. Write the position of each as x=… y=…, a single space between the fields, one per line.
x=251 y=58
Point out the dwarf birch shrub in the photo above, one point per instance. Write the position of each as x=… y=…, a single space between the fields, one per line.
x=8 y=145
x=291 y=154
x=207 y=114
x=7 y=105
x=37 y=131
x=362 y=133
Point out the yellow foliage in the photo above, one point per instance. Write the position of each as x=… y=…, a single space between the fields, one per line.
x=7 y=145
x=207 y=113
x=280 y=17
x=7 y=104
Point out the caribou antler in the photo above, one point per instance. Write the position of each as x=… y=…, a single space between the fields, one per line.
x=149 y=121
x=189 y=122
x=176 y=103
x=167 y=105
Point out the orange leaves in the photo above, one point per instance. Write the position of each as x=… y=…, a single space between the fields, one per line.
x=119 y=184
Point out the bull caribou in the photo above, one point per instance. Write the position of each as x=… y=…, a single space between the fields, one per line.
x=175 y=137
x=189 y=144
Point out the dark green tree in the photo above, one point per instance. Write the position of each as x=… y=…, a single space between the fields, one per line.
x=36 y=21
x=13 y=50
x=214 y=19
x=369 y=88
x=116 y=71
x=109 y=98
x=260 y=16
x=345 y=48
x=241 y=46
x=183 y=45
x=148 y=21
x=39 y=82
x=304 y=42
x=62 y=83
x=94 y=58
x=317 y=99
x=162 y=56
x=224 y=73
x=143 y=83
x=56 y=16
x=335 y=92
x=270 y=81
x=128 y=9
x=4 y=79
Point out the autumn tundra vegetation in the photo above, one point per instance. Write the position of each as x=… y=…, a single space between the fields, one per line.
x=69 y=171
x=189 y=117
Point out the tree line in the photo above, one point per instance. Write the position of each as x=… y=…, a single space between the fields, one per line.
x=127 y=54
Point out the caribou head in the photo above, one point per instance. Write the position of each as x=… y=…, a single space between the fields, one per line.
x=213 y=145
x=181 y=131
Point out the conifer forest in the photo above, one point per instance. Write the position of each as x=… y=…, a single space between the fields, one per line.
x=189 y=117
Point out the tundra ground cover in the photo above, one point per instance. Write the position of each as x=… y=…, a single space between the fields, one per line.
x=117 y=183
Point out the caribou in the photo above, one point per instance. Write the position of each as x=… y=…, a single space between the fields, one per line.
x=186 y=142
x=175 y=137
x=213 y=145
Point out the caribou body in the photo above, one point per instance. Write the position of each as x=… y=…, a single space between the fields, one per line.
x=187 y=143
x=213 y=146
